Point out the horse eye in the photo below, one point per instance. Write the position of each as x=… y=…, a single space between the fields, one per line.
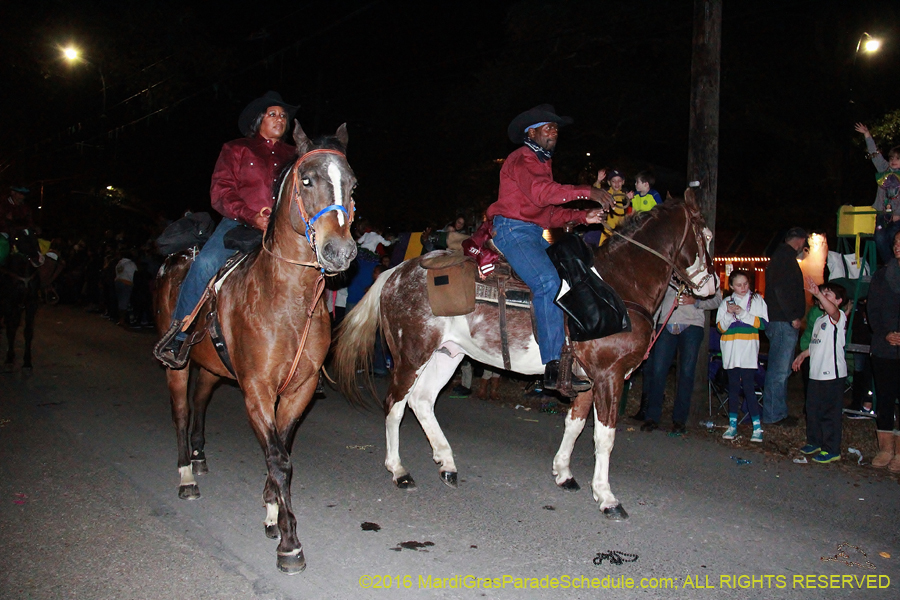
x=306 y=181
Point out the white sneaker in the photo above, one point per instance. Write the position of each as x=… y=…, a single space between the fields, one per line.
x=757 y=436
x=730 y=433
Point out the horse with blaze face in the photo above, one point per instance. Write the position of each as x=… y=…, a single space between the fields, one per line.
x=638 y=263
x=270 y=311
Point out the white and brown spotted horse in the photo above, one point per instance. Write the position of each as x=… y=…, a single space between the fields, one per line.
x=671 y=239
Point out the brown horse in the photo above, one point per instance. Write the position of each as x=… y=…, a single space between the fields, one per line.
x=20 y=285
x=269 y=306
x=426 y=349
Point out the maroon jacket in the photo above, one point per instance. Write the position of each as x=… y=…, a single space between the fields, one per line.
x=245 y=174
x=528 y=193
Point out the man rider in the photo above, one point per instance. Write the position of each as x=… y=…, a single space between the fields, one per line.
x=242 y=191
x=529 y=202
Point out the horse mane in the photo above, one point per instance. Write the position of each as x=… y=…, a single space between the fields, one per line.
x=631 y=224
x=322 y=142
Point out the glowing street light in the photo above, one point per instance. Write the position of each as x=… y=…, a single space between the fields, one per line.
x=73 y=55
x=867 y=44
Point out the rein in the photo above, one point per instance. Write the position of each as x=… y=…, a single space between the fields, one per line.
x=682 y=274
x=310 y=235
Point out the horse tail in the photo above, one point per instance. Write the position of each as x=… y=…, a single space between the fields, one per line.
x=354 y=344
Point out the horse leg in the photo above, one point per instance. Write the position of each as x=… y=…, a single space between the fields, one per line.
x=575 y=421
x=402 y=478
x=278 y=461
x=422 y=396
x=30 y=314
x=13 y=317
x=203 y=390
x=181 y=418
x=289 y=411
x=604 y=439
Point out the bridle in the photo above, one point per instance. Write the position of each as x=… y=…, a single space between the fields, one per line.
x=309 y=223
x=684 y=275
x=310 y=235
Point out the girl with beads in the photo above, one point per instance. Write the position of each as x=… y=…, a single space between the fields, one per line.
x=739 y=320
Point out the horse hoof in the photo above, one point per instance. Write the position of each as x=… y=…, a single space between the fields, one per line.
x=615 y=513
x=449 y=478
x=199 y=467
x=570 y=485
x=189 y=492
x=405 y=482
x=291 y=563
x=272 y=532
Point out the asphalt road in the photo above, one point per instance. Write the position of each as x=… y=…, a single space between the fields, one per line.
x=89 y=506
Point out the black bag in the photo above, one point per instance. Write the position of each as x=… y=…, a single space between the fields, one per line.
x=595 y=309
x=243 y=239
x=191 y=230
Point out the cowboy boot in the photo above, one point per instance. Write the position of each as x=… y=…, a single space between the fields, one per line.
x=885 y=449
x=894 y=465
x=168 y=350
x=481 y=391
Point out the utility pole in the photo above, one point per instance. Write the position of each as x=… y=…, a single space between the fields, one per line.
x=703 y=150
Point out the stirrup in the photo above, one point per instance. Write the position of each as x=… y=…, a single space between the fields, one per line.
x=165 y=349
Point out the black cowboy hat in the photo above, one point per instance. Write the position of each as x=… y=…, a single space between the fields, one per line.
x=538 y=114
x=259 y=105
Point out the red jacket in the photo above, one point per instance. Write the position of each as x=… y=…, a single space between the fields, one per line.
x=528 y=192
x=244 y=178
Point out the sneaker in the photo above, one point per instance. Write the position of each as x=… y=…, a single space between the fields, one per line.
x=811 y=449
x=460 y=391
x=862 y=413
x=757 y=436
x=826 y=457
x=730 y=433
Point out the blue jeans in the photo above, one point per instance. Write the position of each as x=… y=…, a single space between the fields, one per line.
x=884 y=240
x=687 y=345
x=782 y=341
x=205 y=266
x=526 y=250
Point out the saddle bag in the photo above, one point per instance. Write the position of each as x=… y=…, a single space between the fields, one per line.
x=594 y=308
x=191 y=230
x=451 y=283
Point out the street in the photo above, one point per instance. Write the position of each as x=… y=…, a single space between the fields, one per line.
x=88 y=484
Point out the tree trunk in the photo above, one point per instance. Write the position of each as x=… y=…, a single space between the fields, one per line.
x=703 y=150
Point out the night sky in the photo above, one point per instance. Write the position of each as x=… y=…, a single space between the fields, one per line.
x=427 y=90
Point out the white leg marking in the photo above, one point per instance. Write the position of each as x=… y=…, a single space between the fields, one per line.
x=422 y=396
x=334 y=173
x=604 y=439
x=392 y=436
x=562 y=460
x=187 y=475
x=271 y=514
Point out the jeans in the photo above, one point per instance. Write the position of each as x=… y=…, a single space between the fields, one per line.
x=737 y=379
x=782 y=341
x=687 y=345
x=205 y=266
x=884 y=240
x=887 y=389
x=526 y=250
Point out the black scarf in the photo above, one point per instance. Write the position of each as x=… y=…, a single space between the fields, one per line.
x=543 y=155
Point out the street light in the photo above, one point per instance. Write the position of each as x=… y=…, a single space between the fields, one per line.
x=73 y=55
x=866 y=44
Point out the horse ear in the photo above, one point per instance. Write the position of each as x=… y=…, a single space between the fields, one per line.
x=341 y=134
x=300 y=139
x=669 y=196
x=690 y=198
